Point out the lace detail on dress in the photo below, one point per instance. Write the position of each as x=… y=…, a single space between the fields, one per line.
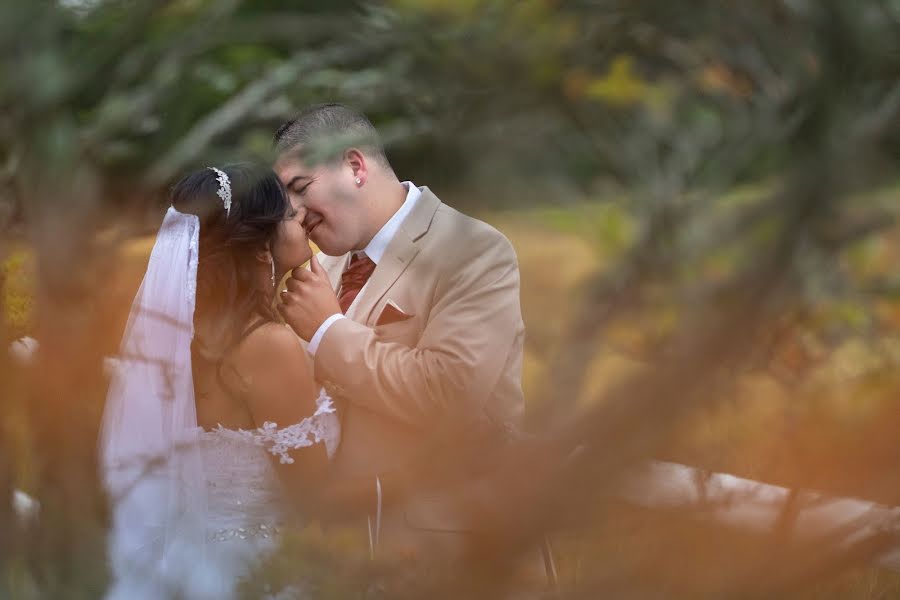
x=311 y=430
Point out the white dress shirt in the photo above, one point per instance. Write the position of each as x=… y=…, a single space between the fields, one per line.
x=375 y=251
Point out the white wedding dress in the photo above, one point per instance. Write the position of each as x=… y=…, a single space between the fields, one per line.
x=246 y=503
x=245 y=509
x=193 y=511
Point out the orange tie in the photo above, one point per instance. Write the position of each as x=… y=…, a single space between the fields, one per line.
x=354 y=278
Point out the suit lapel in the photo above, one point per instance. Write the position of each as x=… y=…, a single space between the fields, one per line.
x=334 y=266
x=399 y=253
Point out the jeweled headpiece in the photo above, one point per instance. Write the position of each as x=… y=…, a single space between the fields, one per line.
x=224 y=191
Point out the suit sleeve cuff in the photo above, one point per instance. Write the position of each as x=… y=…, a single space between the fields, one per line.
x=320 y=333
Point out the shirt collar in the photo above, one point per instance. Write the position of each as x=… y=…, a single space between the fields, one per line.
x=377 y=247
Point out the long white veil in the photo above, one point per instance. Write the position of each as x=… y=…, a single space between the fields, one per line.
x=149 y=441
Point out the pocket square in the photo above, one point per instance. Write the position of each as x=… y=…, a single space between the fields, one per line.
x=391 y=313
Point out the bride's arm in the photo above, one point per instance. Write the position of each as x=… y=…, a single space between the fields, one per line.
x=279 y=378
x=278 y=374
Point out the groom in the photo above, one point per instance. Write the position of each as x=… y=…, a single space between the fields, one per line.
x=411 y=313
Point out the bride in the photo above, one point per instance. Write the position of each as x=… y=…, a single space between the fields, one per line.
x=212 y=420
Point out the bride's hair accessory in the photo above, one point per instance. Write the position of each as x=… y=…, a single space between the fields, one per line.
x=224 y=191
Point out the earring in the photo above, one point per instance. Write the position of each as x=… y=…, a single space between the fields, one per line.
x=273 y=272
x=358 y=181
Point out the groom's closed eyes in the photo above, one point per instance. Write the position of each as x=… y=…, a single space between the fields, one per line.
x=298 y=184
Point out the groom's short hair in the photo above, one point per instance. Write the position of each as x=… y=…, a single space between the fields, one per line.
x=326 y=130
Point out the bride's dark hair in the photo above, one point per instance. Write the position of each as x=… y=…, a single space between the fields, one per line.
x=228 y=292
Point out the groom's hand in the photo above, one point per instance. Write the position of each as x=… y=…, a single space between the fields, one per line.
x=308 y=300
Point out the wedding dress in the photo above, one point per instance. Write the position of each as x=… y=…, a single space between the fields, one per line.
x=193 y=510
x=245 y=499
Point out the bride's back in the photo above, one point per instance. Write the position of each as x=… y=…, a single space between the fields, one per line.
x=267 y=376
x=221 y=391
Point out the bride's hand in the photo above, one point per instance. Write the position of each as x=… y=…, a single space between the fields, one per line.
x=308 y=300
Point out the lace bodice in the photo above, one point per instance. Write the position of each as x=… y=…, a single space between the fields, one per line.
x=242 y=488
x=322 y=427
x=245 y=498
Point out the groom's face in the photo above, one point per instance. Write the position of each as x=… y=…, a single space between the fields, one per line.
x=328 y=194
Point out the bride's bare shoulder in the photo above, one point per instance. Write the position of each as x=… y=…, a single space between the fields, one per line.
x=270 y=346
x=271 y=339
x=279 y=375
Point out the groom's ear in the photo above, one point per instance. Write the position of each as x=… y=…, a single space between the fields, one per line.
x=357 y=162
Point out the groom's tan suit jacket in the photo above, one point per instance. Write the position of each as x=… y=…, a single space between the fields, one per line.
x=436 y=335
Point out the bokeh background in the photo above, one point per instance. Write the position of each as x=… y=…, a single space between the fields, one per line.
x=703 y=197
